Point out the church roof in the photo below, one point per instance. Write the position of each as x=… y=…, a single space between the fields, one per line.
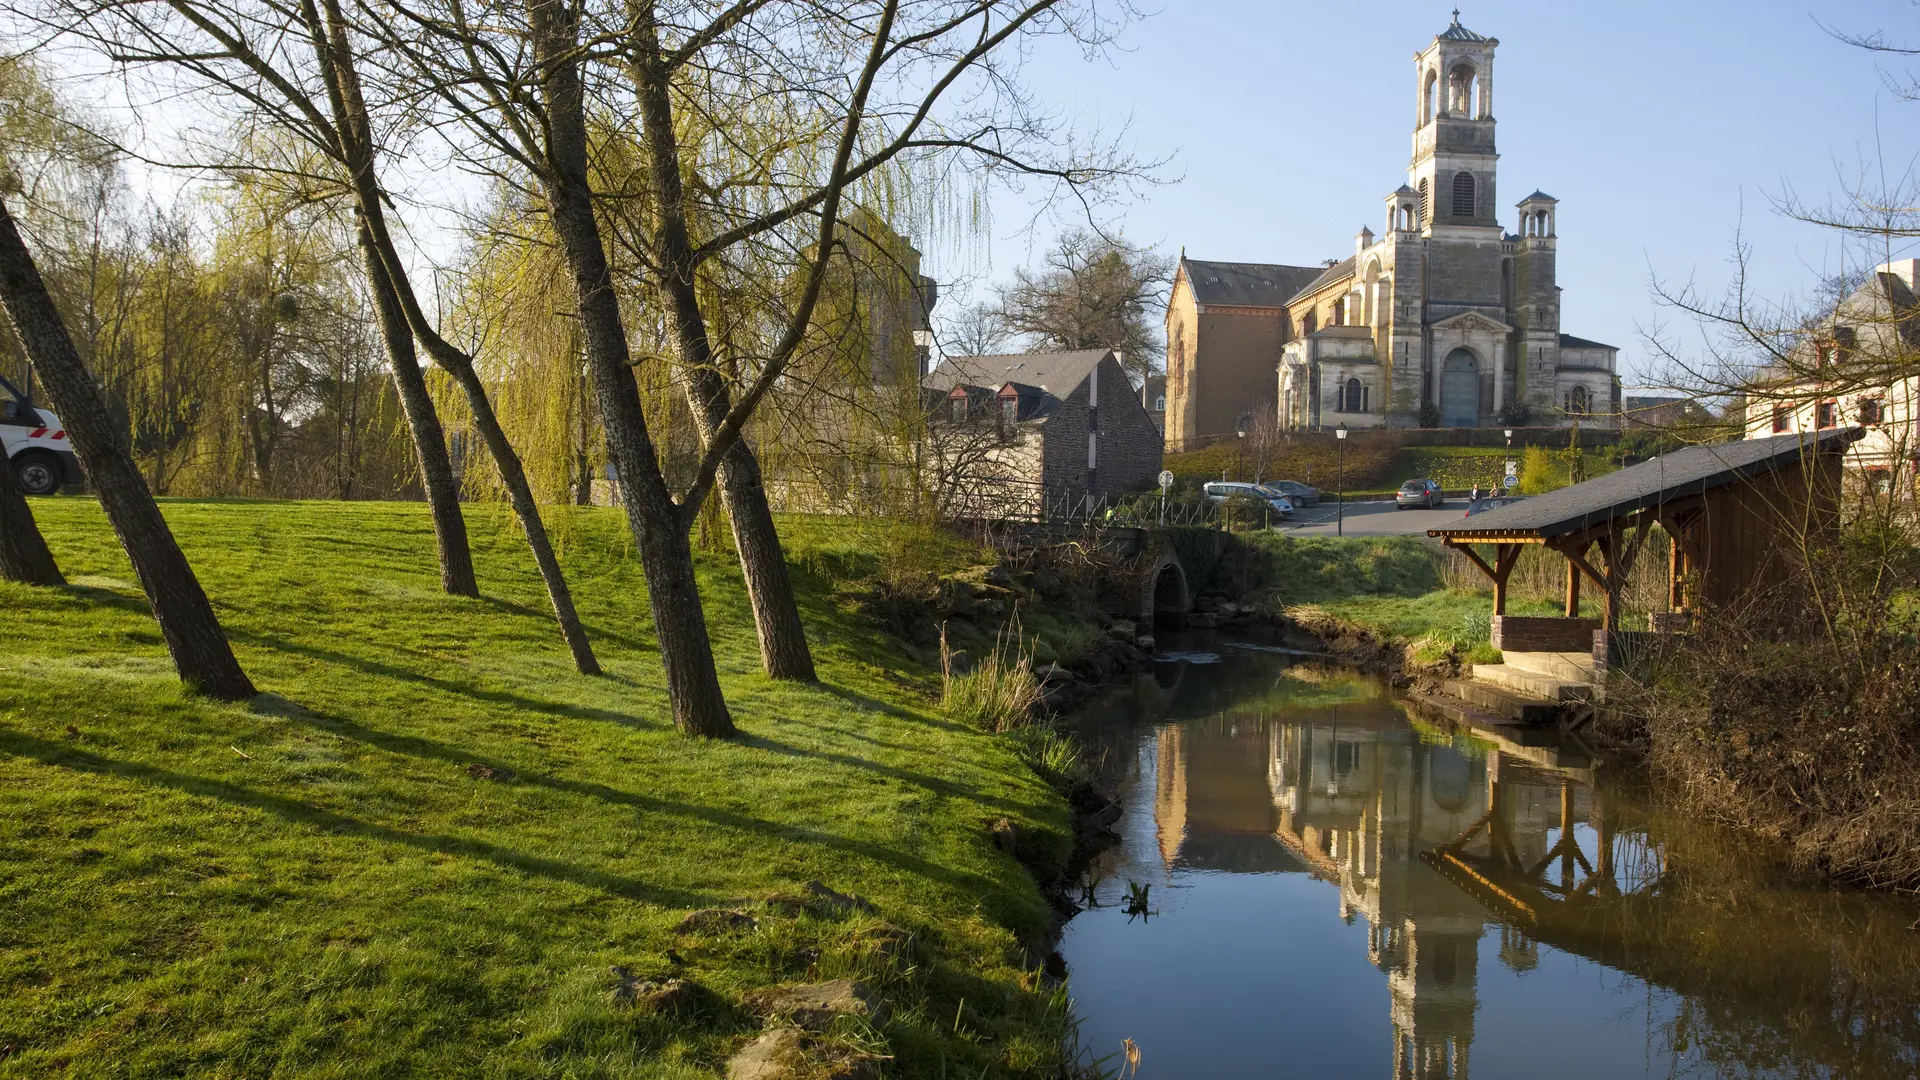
x=1456 y=32
x=1537 y=196
x=1568 y=341
x=1246 y=284
x=1328 y=275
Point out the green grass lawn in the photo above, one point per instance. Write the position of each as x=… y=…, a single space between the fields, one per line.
x=421 y=849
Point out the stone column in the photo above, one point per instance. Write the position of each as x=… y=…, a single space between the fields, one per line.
x=1499 y=376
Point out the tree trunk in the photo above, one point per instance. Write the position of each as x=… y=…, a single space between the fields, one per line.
x=429 y=441
x=24 y=556
x=763 y=562
x=389 y=278
x=199 y=646
x=680 y=624
x=783 y=639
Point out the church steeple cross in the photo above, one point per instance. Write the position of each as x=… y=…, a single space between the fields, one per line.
x=1456 y=16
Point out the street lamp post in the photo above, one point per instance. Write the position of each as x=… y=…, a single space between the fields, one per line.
x=1340 y=511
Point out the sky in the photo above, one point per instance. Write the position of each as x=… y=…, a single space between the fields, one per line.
x=1664 y=129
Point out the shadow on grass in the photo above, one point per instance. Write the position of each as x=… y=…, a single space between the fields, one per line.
x=292 y=810
x=415 y=746
x=492 y=697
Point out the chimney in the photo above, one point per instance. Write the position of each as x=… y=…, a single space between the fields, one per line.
x=1904 y=269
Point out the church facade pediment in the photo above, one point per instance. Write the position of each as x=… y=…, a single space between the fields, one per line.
x=1473 y=322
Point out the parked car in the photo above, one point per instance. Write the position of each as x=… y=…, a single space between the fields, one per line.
x=1297 y=493
x=1219 y=491
x=36 y=445
x=1420 y=492
x=1491 y=502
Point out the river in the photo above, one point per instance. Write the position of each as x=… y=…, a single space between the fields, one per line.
x=1311 y=882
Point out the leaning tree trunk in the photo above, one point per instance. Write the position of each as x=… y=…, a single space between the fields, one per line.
x=763 y=562
x=199 y=646
x=776 y=617
x=679 y=623
x=24 y=556
x=429 y=441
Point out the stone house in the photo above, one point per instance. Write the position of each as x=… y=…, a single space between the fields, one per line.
x=1153 y=398
x=1859 y=366
x=1444 y=319
x=1068 y=427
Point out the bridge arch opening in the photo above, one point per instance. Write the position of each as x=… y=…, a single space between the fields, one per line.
x=1167 y=596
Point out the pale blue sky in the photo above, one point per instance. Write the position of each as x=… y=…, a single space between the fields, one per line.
x=1652 y=123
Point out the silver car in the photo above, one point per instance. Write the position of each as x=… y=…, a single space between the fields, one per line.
x=1297 y=493
x=1420 y=492
x=1220 y=491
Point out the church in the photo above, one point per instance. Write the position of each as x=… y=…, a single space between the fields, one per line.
x=1443 y=319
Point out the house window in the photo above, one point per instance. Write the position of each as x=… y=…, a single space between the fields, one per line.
x=957 y=410
x=1355 y=398
x=1160 y=403
x=1009 y=416
x=1825 y=415
x=1879 y=480
x=1093 y=419
x=1870 y=411
x=1780 y=419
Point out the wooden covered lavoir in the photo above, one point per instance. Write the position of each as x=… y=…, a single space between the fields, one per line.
x=1733 y=510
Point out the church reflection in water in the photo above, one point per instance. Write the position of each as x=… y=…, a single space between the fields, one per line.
x=1505 y=892
x=1427 y=838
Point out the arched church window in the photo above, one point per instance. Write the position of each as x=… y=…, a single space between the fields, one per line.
x=1577 y=401
x=1430 y=98
x=1339 y=313
x=1463 y=204
x=1308 y=324
x=1354 y=398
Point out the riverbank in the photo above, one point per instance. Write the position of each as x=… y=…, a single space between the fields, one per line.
x=431 y=848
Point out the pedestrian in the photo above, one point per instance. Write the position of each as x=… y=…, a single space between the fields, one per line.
x=1475 y=497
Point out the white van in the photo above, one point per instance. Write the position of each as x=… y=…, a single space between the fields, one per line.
x=37 y=448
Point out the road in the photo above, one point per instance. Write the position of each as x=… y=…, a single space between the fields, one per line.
x=1374 y=519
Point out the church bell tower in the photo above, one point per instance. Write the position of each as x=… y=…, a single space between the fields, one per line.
x=1453 y=148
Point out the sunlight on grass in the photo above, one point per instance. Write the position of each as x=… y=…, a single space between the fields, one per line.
x=420 y=851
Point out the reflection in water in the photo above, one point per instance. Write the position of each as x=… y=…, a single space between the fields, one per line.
x=1526 y=916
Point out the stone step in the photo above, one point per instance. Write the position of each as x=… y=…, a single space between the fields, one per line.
x=1567 y=666
x=1532 y=683
x=1462 y=712
x=1520 y=708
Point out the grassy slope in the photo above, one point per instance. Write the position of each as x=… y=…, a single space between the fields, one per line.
x=1391 y=586
x=316 y=885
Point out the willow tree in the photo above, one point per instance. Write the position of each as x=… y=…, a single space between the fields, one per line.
x=294 y=66
x=844 y=97
x=262 y=56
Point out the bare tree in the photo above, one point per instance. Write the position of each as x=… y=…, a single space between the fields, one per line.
x=758 y=120
x=1093 y=292
x=199 y=646
x=295 y=67
x=974 y=330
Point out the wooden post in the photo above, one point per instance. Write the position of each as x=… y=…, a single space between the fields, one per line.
x=1573 y=590
x=1610 y=559
x=1676 y=569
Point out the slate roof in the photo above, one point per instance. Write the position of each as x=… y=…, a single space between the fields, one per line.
x=1246 y=284
x=1537 y=196
x=1568 y=341
x=1328 y=275
x=1650 y=483
x=1041 y=379
x=1456 y=32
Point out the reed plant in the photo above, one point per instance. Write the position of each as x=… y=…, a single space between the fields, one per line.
x=1000 y=692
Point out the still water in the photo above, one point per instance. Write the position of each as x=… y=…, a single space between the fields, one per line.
x=1334 y=890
